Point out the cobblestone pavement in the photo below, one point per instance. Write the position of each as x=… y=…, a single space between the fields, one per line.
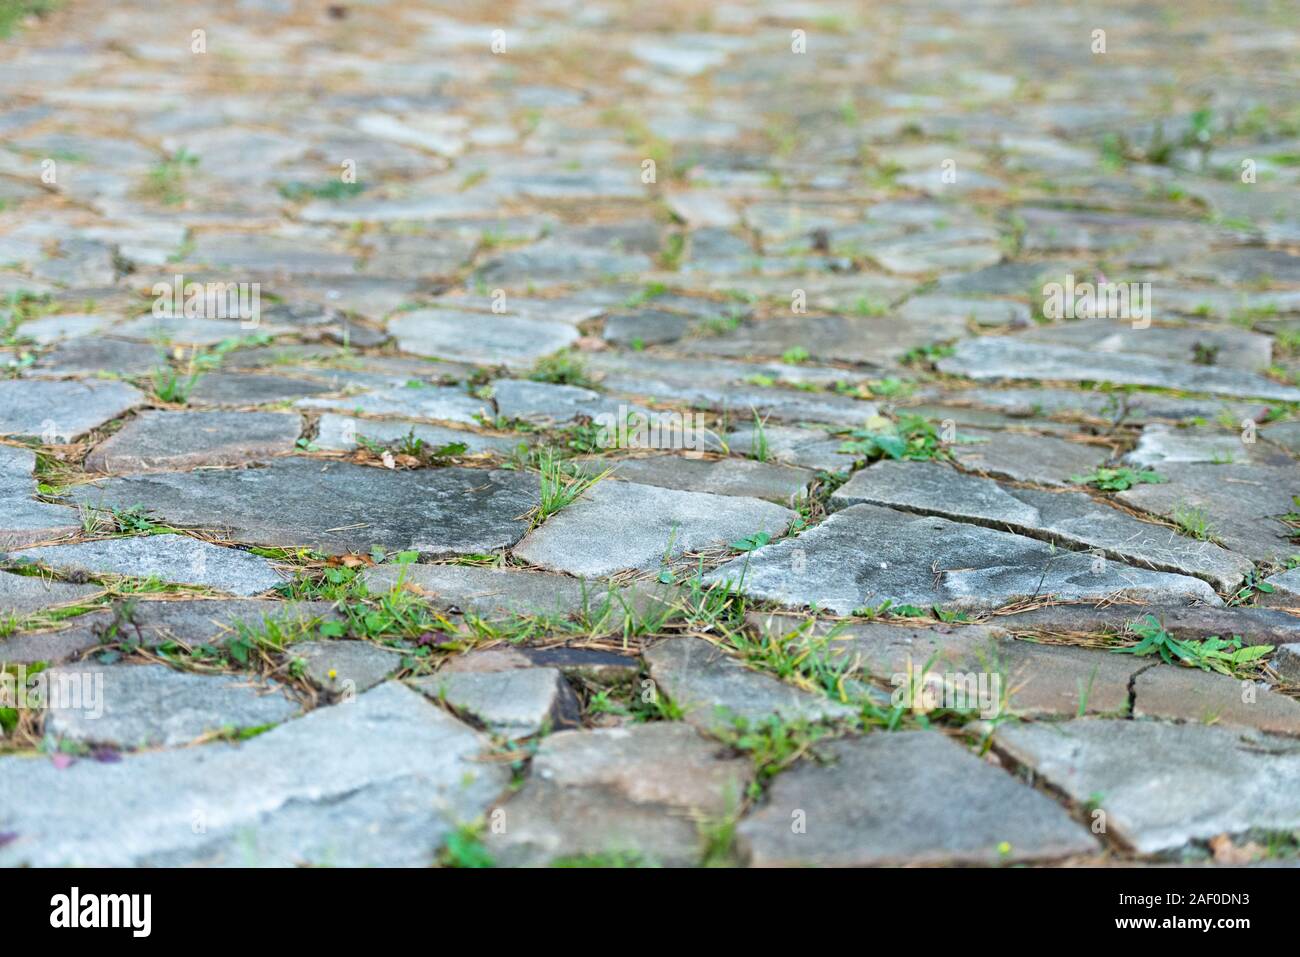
x=671 y=433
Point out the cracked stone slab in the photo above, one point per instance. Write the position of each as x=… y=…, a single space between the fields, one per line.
x=22 y=595
x=169 y=558
x=515 y=703
x=145 y=706
x=184 y=440
x=1189 y=694
x=336 y=507
x=1066 y=518
x=61 y=411
x=931 y=561
x=481 y=337
x=345 y=666
x=342 y=432
x=24 y=520
x=620 y=526
x=741 y=477
x=440 y=403
x=906 y=797
x=1159 y=445
x=714 y=689
x=1255 y=626
x=382 y=780
x=1242 y=504
x=631 y=791
x=1021 y=457
x=1006 y=358
x=1212 y=780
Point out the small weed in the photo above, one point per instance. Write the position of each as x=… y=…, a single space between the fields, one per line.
x=1193 y=521
x=561 y=484
x=561 y=368
x=1212 y=654
x=911 y=437
x=1118 y=479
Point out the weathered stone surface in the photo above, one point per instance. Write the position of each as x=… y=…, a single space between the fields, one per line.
x=616 y=526
x=776 y=483
x=622 y=792
x=832 y=337
x=342 y=432
x=195 y=621
x=1109 y=407
x=89 y=355
x=345 y=666
x=1072 y=519
x=1241 y=504
x=714 y=689
x=1159 y=445
x=440 y=403
x=1211 y=780
x=807 y=447
x=60 y=411
x=1255 y=626
x=587 y=664
x=1285 y=434
x=183 y=440
x=23 y=519
x=378 y=781
x=1007 y=358
x=545 y=402
x=335 y=506
x=1286 y=662
x=143 y=706
x=932 y=561
x=55 y=646
x=492 y=592
x=22 y=595
x=1189 y=694
x=169 y=558
x=514 y=703
x=648 y=327
x=1026 y=458
x=241 y=389
x=910 y=797
x=1228 y=347
x=479 y=337
x=1286 y=589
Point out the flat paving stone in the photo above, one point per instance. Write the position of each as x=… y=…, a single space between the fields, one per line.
x=381 y=780
x=1286 y=588
x=336 y=506
x=1159 y=445
x=1241 y=504
x=89 y=355
x=57 y=645
x=242 y=389
x=715 y=690
x=907 y=797
x=931 y=561
x=620 y=526
x=479 y=337
x=1192 y=695
x=23 y=595
x=1071 y=519
x=585 y=664
x=864 y=340
x=489 y=591
x=620 y=793
x=544 y=402
x=23 y=520
x=169 y=558
x=741 y=477
x=439 y=403
x=1212 y=780
x=146 y=706
x=1216 y=347
x=61 y=411
x=185 y=440
x=1006 y=358
x=516 y=703
x=344 y=433
x=1040 y=459
x=347 y=667
x=1109 y=407
x=1255 y=626
x=810 y=448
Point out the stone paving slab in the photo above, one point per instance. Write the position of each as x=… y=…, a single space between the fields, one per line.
x=437 y=512
x=621 y=526
x=382 y=780
x=1041 y=459
x=62 y=411
x=1212 y=780
x=911 y=797
x=1072 y=519
x=169 y=558
x=23 y=520
x=439 y=403
x=740 y=477
x=931 y=561
x=514 y=703
x=23 y=595
x=147 y=706
x=489 y=591
x=185 y=440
